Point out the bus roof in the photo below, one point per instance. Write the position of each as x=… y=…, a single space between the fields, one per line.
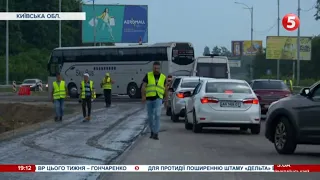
x=167 y=44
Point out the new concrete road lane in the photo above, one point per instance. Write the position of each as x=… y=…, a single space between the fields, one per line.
x=212 y=147
x=100 y=141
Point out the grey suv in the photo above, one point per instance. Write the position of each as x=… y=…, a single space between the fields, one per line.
x=295 y=120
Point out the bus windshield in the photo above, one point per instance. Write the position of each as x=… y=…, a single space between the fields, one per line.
x=212 y=70
x=183 y=54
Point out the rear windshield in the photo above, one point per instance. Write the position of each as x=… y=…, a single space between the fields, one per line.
x=212 y=70
x=223 y=87
x=29 y=81
x=189 y=84
x=269 y=85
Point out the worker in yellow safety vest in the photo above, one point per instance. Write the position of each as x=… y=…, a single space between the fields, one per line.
x=106 y=84
x=289 y=83
x=58 y=95
x=153 y=91
x=88 y=94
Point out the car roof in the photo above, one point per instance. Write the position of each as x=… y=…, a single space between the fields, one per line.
x=266 y=80
x=226 y=80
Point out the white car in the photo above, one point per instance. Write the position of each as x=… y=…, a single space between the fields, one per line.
x=174 y=84
x=177 y=99
x=222 y=103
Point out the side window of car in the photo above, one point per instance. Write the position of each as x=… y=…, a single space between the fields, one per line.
x=316 y=93
x=196 y=89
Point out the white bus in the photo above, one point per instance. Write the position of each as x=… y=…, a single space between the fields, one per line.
x=212 y=66
x=127 y=65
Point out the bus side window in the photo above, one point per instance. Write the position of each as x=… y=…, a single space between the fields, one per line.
x=89 y=55
x=161 y=54
x=71 y=55
x=143 y=54
x=128 y=54
x=109 y=54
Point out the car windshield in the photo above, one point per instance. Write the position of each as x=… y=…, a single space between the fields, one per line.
x=189 y=84
x=269 y=85
x=29 y=81
x=225 y=87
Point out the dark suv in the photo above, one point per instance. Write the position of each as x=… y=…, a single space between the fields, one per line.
x=295 y=120
x=268 y=91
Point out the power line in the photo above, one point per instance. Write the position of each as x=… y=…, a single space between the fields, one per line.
x=313 y=7
x=266 y=31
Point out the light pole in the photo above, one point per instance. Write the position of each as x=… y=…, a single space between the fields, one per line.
x=7 y=46
x=60 y=34
x=94 y=24
x=251 y=13
x=298 y=48
x=278 y=61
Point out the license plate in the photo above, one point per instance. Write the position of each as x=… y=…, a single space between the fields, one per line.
x=230 y=104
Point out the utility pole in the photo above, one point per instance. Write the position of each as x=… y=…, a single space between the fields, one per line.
x=252 y=57
x=278 y=60
x=7 y=46
x=60 y=24
x=94 y=24
x=298 y=48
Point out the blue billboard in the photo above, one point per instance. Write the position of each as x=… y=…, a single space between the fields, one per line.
x=115 y=23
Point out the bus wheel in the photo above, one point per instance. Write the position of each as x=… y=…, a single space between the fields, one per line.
x=133 y=90
x=73 y=91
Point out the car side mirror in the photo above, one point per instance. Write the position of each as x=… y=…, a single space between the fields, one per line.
x=187 y=94
x=305 y=92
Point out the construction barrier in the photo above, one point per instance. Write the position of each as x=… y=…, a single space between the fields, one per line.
x=14 y=86
x=24 y=91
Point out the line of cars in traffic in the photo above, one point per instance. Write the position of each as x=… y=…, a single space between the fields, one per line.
x=207 y=102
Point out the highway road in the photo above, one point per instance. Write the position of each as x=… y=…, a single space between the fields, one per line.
x=215 y=147
x=43 y=98
x=100 y=141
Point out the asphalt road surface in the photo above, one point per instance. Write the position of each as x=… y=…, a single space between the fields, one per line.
x=37 y=98
x=214 y=147
x=100 y=141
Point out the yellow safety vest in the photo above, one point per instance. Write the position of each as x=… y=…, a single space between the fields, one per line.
x=154 y=89
x=290 y=84
x=107 y=83
x=83 y=93
x=59 y=91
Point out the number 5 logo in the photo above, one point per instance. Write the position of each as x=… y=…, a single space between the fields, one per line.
x=290 y=22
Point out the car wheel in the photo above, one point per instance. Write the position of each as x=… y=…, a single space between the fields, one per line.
x=196 y=128
x=187 y=125
x=284 y=139
x=243 y=129
x=168 y=112
x=174 y=118
x=255 y=129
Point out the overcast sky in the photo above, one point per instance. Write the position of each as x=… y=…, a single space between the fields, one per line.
x=218 y=22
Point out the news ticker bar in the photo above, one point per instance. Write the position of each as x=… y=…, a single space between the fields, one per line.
x=157 y=168
x=29 y=16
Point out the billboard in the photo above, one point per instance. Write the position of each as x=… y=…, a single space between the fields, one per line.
x=244 y=48
x=236 y=48
x=285 y=48
x=115 y=23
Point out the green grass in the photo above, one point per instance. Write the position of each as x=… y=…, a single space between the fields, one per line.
x=37 y=93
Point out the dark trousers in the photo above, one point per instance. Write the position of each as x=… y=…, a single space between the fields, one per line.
x=107 y=96
x=86 y=103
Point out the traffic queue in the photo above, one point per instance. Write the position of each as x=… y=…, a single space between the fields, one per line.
x=208 y=102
